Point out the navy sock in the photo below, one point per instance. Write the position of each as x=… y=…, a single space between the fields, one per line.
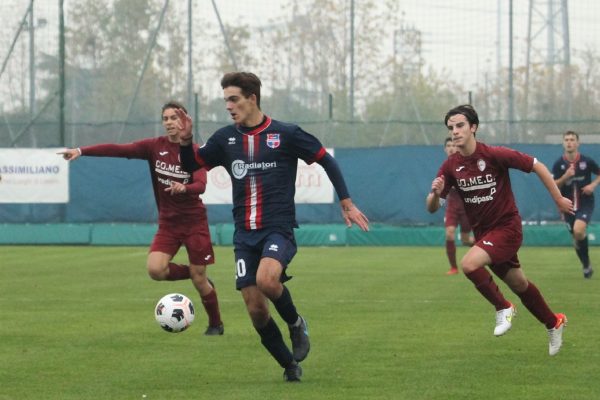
x=285 y=307
x=270 y=337
x=581 y=248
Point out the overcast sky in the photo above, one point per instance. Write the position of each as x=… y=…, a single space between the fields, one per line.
x=459 y=36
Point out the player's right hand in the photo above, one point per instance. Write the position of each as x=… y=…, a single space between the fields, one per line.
x=570 y=171
x=565 y=205
x=70 y=154
x=437 y=185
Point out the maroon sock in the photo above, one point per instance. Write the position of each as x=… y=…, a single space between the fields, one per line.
x=535 y=303
x=178 y=272
x=211 y=305
x=483 y=282
x=451 y=252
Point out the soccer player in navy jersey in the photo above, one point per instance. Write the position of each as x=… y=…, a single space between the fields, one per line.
x=261 y=155
x=481 y=175
x=573 y=175
x=455 y=215
x=182 y=216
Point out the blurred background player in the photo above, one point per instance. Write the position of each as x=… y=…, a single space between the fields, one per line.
x=182 y=216
x=481 y=175
x=455 y=215
x=261 y=156
x=573 y=175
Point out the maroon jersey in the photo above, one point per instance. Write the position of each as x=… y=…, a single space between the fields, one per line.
x=454 y=203
x=163 y=160
x=483 y=183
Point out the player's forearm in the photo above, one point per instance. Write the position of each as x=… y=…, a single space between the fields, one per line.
x=334 y=173
x=196 y=187
x=561 y=181
x=128 y=150
x=432 y=202
x=188 y=159
x=544 y=175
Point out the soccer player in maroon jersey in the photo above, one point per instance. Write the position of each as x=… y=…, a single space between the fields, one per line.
x=573 y=175
x=481 y=175
x=261 y=156
x=182 y=216
x=455 y=215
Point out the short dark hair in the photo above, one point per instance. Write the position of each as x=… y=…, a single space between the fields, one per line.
x=448 y=139
x=568 y=133
x=173 y=104
x=465 y=109
x=246 y=81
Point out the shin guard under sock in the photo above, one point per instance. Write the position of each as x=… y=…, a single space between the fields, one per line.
x=270 y=337
x=285 y=307
x=533 y=300
x=178 y=272
x=211 y=305
x=484 y=283
x=451 y=252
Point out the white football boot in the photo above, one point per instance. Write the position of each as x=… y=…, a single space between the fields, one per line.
x=555 y=334
x=504 y=320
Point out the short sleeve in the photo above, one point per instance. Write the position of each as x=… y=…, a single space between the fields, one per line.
x=306 y=147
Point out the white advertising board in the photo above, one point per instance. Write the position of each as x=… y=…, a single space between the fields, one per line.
x=33 y=176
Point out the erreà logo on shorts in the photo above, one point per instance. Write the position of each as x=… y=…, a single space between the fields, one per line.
x=239 y=168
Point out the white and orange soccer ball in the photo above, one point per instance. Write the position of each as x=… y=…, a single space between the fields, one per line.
x=174 y=312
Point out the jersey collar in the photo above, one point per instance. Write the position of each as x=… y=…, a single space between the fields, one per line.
x=255 y=130
x=577 y=157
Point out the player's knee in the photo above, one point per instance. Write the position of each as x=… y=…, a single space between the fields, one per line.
x=269 y=286
x=157 y=272
x=518 y=286
x=198 y=273
x=579 y=234
x=468 y=265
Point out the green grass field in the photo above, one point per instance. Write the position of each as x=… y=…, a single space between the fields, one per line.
x=385 y=323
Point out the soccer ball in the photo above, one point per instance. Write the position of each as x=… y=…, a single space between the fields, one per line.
x=174 y=312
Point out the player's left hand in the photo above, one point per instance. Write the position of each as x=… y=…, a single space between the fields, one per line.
x=184 y=124
x=352 y=214
x=565 y=206
x=588 y=190
x=176 y=188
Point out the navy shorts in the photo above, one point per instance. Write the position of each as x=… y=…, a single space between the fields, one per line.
x=584 y=213
x=251 y=246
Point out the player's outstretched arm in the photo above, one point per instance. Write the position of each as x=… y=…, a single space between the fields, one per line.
x=432 y=202
x=564 y=205
x=70 y=154
x=352 y=214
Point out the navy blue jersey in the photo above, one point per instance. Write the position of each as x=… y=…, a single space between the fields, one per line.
x=262 y=164
x=584 y=168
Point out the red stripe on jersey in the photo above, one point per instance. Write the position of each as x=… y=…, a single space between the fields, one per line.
x=259 y=203
x=575 y=185
x=247 y=204
x=253 y=186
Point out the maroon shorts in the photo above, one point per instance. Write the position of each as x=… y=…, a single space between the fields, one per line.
x=196 y=239
x=502 y=244
x=456 y=217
